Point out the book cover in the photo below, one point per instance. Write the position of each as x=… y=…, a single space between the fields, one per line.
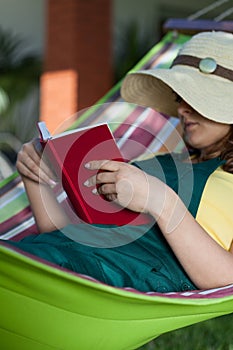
x=68 y=153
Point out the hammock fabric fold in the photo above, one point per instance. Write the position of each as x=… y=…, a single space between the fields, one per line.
x=46 y=307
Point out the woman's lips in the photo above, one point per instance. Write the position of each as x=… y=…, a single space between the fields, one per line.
x=190 y=125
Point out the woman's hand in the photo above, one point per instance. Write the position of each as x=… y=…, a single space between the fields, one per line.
x=30 y=164
x=49 y=214
x=128 y=186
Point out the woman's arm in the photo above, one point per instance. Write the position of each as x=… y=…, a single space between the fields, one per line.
x=38 y=179
x=205 y=261
x=48 y=213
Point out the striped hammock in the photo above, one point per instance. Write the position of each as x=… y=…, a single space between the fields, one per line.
x=46 y=307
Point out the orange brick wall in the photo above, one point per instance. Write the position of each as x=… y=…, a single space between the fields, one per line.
x=78 y=58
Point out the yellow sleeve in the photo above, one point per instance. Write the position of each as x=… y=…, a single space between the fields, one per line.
x=215 y=211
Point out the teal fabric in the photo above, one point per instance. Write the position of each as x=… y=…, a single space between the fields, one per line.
x=139 y=256
x=186 y=179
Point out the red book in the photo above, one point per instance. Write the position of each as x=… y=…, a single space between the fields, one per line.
x=68 y=152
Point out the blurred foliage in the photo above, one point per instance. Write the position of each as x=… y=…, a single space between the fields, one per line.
x=214 y=334
x=130 y=48
x=19 y=80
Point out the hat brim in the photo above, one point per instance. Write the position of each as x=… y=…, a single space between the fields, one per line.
x=209 y=95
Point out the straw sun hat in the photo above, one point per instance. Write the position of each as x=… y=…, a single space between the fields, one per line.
x=202 y=74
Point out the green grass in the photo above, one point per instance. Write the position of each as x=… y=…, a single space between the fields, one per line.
x=215 y=334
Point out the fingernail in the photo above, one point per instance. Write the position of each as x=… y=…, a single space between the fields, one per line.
x=87 y=165
x=94 y=191
x=52 y=183
x=86 y=183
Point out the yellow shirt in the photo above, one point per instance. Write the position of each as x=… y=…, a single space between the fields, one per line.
x=215 y=212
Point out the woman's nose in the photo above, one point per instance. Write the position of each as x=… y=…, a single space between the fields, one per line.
x=184 y=108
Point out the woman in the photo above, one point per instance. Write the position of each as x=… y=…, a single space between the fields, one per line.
x=178 y=252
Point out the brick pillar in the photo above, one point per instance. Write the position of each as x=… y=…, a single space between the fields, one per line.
x=78 y=57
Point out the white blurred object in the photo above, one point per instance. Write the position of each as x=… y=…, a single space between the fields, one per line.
x=6 y=168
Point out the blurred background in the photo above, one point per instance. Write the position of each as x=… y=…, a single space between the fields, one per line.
x=60 y=56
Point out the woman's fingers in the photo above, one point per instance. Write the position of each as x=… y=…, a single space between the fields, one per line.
x=108 y=165
x=25 y=165
x=25 y=171
x=30 y=165
x=43 y=161
x=107 y=189
x=122 y=182
x=105 y=179
x=106 y=171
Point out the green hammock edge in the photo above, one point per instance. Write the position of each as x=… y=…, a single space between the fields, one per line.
x=59 y=308
x=9 y=179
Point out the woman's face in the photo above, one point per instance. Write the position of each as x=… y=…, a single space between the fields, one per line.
x=199 y=132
